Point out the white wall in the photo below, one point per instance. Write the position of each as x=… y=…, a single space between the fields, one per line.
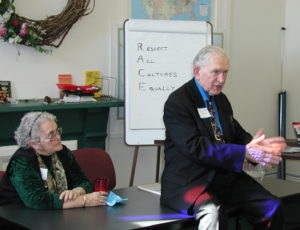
x=264 y=61
x=255 y=51
x=292 y=67
x=291 y=72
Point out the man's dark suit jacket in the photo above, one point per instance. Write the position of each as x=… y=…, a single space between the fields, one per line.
x=192 y=155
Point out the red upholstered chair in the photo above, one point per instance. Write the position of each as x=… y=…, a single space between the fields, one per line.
x=1 y=174
x=95 y=163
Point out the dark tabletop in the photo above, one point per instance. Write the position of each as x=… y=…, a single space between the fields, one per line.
x=141 y=206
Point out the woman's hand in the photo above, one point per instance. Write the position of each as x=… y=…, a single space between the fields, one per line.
x=69 y=195
x=96 y=199
x=72 y=194
x=85 y=200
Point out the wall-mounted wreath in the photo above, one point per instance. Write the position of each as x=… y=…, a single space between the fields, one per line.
x=39 y=34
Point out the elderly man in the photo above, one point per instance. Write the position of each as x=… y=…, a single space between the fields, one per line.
x=205 y=149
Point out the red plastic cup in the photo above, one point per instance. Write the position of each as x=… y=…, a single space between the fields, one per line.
x=101 y=184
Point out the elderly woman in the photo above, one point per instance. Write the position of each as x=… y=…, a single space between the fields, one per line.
x=43 y=173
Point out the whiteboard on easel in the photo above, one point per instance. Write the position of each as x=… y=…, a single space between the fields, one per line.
x=158 y=59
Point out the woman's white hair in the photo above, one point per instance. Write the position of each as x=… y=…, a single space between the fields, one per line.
x=29 y=127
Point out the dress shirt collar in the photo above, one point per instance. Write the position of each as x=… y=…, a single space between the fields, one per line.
x=203 y=93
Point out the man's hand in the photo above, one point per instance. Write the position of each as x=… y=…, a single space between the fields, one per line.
x=265 y=151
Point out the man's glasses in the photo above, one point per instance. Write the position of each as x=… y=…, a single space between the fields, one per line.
x=53 y=135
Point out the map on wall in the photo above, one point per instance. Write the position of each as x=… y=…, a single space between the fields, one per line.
x=171 y=9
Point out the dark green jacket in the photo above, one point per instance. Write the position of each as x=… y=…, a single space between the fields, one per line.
x=23 y=182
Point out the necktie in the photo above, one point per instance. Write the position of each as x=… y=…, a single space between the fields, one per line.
x=217 y=131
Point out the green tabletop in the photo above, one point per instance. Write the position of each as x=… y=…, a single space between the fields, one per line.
x=39 y=104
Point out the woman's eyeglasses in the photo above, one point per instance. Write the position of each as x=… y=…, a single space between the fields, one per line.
x=52 y=136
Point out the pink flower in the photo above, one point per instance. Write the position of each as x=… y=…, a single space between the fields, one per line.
x=23 y=30
x=3 y=30
x=15 y=22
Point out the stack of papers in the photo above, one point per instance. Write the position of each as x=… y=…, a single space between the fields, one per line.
x=68 y=99
x=290 y=149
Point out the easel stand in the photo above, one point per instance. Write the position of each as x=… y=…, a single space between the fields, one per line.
x=157 y=143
